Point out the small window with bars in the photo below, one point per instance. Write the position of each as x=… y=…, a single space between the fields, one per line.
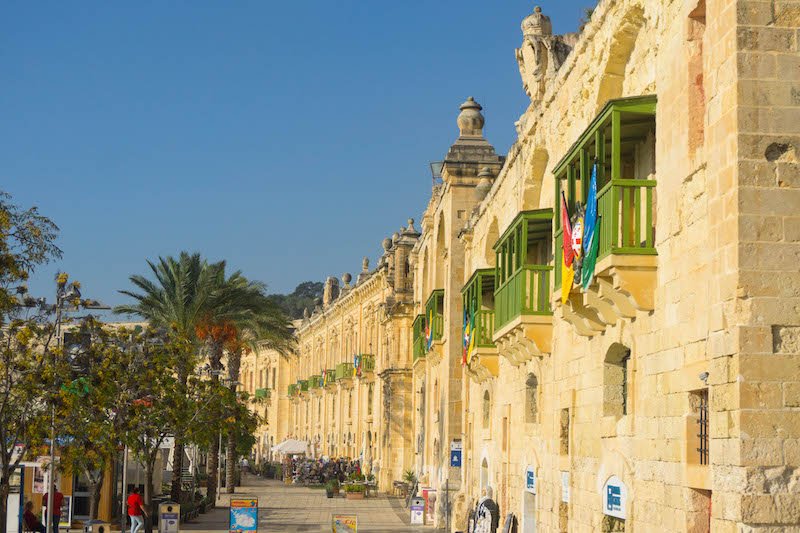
x=702 y=426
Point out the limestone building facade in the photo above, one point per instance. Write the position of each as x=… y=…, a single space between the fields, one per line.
x=659 y=390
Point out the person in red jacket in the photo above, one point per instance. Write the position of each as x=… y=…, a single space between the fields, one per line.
x=29 y=520
x=58 y=499
x=136 y=510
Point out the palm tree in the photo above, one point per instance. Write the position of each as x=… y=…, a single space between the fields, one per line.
x=176 y=300
x=242 y=318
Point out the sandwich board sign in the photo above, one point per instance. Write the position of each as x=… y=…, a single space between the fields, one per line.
x=243 y=515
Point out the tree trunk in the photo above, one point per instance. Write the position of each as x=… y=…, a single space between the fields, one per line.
x=94 y=495
x=230 y=459
x=177 y=471
x=234 y=363
x=211 y=470
x=148 y=495
x=4 y=504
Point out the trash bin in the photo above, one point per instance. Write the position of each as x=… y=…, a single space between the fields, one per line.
x=96 y=526
x=417 y=511
x=169 y=517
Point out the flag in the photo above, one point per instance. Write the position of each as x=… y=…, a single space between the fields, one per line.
x=469 y=336
x=356 y=365
x=590 y=233
x=568 y=255
x=429 y=331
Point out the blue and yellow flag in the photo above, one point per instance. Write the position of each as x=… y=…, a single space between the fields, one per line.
x=429 y=331
x=590 y=232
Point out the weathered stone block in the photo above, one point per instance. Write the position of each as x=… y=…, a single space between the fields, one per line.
x=786 y=339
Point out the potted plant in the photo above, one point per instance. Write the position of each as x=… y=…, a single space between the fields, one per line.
x=331 y=488
x=354 y=491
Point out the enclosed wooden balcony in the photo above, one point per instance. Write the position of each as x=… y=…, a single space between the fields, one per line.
x=621 y=140
x=302 y=385
x=523 y=316
x=292 y=390
x=262 y=394
x=434 y=325
x=330 y=380
x=366 y=366
x=478 y=297
x=315 y=383
x=344 y=373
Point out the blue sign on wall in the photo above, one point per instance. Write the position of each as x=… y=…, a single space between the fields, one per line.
x=455 y=454
x=530 y=480
x=615 y=497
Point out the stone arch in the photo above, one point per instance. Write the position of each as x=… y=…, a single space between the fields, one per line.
x=532 y=184
x=619 y=53
x=491 y=238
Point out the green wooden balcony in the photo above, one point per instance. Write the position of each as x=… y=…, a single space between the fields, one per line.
x=331 y=373
x=523 y=272
x=624 y=191
x=367 y=363
x=292 y=390
x=262 y=394
x=315 y=382
x=621 y=140
x=303 y=385
x=478 y=296
x=344 y=371
x=419 y=346
x=434 y=310
x=522 y=283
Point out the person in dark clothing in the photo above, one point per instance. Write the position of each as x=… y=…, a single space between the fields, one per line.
x=29 y=520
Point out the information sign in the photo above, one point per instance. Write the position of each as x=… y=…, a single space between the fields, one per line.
x=455 y=454
x=615 y=498
x=530 y=479
x=244 y=515
x=345 y=523
x=565 y=487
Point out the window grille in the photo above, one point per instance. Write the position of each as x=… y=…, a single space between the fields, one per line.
x=702 y=422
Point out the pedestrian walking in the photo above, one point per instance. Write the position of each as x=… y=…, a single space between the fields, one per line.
x=136 y=510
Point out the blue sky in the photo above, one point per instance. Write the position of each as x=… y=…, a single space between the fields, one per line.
x=289 y=138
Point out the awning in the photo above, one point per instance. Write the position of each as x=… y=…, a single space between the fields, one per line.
x=291 y=447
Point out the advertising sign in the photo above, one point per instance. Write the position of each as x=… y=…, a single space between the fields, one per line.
x=615 y=498
x=65 y=520
x=417 y=512
x=455 y=454
x=530 y=479
x=345 y=523
x=429 y=494
x=565 y=487
x=244 y=515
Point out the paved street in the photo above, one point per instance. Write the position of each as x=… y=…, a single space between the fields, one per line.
x=290 y=509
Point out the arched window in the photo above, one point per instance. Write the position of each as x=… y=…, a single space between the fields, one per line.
x=531 y=393
x=615 y=380
x=486 y=409
x=370 y=396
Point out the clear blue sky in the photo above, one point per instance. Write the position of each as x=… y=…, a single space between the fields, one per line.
x=289 y=138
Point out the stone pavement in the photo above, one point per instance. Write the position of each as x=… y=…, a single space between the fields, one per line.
x=291 y=509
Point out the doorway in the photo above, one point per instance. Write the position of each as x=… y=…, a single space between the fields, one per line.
x=528 y=512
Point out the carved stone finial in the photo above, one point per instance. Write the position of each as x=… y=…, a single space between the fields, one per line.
x=395 y=237
x=365 y=264
x=411 y=225
x=330 y=291
x=306 y=313
x=387 y=244
x=537 y=24
x=347 y=278
x=470 y=120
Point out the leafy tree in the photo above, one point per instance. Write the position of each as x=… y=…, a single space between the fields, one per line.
x=303 y=297
x=27 y=240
